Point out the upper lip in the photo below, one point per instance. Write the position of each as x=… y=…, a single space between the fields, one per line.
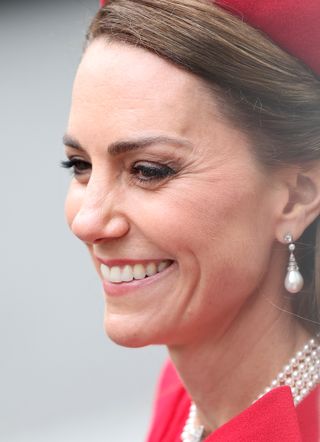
x=131 y=262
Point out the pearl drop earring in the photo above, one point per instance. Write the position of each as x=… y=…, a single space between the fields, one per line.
x=293 y=281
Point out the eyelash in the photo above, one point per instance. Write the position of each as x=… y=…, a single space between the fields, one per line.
x=79 y=167
x=153 y=172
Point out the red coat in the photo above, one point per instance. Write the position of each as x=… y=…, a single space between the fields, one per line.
x=273 y=418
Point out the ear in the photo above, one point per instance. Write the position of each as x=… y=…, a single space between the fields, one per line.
x=302 y=205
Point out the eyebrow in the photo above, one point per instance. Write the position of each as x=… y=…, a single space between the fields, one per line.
x=123 y=146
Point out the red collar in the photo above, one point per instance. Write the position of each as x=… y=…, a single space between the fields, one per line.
x=271 y=418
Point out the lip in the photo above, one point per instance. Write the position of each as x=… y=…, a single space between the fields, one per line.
x=132 y=262
x=127 y=288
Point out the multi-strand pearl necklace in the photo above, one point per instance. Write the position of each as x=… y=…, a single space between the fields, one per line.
x=302 y=374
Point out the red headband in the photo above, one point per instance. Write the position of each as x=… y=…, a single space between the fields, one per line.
x=292 y=24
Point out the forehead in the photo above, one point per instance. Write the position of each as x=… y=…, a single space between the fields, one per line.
x=118 y=81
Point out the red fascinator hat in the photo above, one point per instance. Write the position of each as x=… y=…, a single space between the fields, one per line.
x=294 y=25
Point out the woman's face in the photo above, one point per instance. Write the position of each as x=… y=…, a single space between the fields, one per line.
x=164 y=186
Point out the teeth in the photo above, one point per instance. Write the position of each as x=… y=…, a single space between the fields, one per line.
x=105 y=271
x=115 y=274
x=151 y=269
x=127 y=273
x=163 y=265
x=139 y=271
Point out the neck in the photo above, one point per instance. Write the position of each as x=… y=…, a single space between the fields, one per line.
x=225 y=373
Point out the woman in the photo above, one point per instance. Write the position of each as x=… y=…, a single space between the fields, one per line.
x=194 y=139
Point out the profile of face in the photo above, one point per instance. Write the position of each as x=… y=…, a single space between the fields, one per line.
x=177 y=214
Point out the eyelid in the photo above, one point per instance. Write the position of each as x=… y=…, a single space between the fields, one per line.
x=72 y=153
x=154 y=165
x=160 y=163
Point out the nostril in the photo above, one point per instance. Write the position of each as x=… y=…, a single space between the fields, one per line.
x=116 y=227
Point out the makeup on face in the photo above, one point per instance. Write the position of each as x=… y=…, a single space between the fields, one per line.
x=163 y=188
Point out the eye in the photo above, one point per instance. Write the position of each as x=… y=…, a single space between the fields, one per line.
x=77 y=166
x=148 y=172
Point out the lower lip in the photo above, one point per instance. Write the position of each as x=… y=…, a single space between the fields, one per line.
x=125 y=288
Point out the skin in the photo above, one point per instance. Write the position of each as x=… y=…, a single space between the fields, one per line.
x=222 y=309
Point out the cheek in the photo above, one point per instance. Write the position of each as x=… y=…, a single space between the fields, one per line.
x=216 y=227
x=72 y=203
x=188 y=216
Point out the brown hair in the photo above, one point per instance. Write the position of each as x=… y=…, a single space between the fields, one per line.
x=266 y=92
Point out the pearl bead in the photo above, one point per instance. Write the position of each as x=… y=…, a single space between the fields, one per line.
x=293 y=281
x=300 y=356
x=293 y=362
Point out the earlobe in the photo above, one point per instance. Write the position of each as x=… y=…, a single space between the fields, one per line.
x=303 y=203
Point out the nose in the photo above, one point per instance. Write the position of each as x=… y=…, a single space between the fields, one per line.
x=98 y=218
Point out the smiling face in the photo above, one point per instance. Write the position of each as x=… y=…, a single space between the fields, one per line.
x=167 y=196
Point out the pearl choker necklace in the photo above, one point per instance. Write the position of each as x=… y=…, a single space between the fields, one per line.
x=302 y=375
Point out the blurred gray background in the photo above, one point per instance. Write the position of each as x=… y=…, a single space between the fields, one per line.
x=61 y=379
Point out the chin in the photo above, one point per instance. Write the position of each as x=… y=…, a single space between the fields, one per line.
x=125 y=334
